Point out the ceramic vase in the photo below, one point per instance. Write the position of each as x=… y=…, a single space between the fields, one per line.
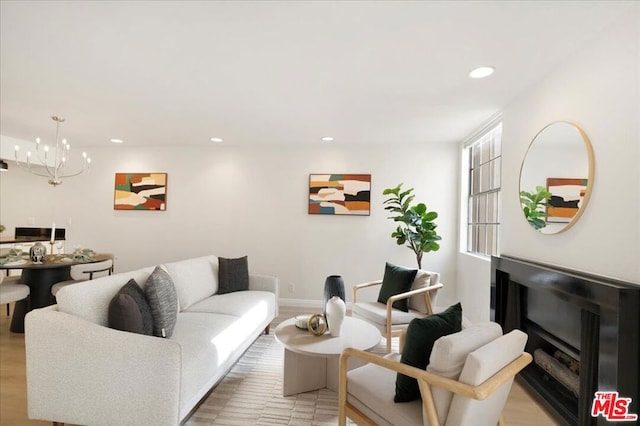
x=333 y=286
x=37 y=253
x=336 y=310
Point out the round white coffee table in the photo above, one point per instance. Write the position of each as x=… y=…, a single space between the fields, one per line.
x=312 y=362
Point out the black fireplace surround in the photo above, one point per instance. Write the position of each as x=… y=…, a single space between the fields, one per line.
x=594 y=319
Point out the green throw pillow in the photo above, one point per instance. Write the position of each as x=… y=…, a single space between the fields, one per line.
x=421 y=335
x=396 y=280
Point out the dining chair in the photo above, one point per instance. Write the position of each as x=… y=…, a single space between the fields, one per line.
x=389 y=320
x=85 y=272
x=12 y=291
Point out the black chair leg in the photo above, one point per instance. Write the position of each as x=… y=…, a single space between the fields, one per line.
x=8 y=313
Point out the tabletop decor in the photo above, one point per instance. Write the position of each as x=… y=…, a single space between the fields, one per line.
x=317 y=325
x=340 y=194
x=333 y=286
x=83 y=254
x=140 y=191
x=37 y=252
x=54 y=161
x=14 y=255
x=336 y=310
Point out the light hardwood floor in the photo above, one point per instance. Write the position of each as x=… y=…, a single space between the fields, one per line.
x=521 y=409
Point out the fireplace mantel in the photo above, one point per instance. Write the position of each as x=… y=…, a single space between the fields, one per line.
x=607 y=328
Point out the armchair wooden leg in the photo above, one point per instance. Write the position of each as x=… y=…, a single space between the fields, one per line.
x=58 y=424
x=266 y=330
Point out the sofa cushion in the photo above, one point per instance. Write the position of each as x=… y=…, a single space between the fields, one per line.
x=449 y=355
x=130 y=311
x=421 y=336
x=194 y=279
x=211 y=344
x=163 y=300
x=233 y=275
x=423 y=279
x=396 y=280
x=257 y=305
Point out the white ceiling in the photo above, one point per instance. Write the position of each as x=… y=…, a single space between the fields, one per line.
x=168 y=73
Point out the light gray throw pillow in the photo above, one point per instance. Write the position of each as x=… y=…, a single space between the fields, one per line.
x=163 y=300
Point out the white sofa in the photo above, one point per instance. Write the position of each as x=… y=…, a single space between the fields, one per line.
x=79 y=371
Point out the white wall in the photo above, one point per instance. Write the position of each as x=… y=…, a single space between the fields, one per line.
x=232 y=201
x=599 y=89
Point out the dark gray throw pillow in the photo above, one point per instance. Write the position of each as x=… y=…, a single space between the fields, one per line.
x=130 y=311
x=396 y=280
x=163 y=300
x=233 y=275
x=422 y=333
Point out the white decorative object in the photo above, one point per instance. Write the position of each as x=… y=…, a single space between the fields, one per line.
x=336 y=310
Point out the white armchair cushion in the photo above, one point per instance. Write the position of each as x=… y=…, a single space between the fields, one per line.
x=449 y=355
x=377 y=312
x=423 y=279
x=481 y=364
x=374 y=386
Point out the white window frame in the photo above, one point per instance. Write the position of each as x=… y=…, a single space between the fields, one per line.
x=478 y=237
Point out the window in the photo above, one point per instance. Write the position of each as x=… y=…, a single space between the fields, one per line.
x=483 y=156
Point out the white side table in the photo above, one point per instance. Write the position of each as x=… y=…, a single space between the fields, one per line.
x=312 y=362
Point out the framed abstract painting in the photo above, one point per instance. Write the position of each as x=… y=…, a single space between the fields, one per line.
x=566 y=197
x=140 y=191
x=340 y=194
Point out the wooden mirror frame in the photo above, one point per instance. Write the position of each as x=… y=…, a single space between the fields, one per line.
x=538 y=139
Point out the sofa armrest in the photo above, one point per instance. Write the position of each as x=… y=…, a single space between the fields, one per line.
x=79 y=372
x=265 y=283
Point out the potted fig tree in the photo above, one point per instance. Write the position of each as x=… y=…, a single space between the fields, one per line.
x=416 y=224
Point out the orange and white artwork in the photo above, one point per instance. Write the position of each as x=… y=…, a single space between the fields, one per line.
x=140 y=191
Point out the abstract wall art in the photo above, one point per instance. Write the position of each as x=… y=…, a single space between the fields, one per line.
x=340 y=194
x=140 y=191
x=566 y=196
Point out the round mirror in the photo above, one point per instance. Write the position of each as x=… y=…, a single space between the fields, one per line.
x=556 y=177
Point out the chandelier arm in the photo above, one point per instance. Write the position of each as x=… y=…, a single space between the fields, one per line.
x=84 y=169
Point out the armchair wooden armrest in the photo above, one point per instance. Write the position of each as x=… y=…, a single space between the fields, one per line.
x=425 y=381
x=364 y=285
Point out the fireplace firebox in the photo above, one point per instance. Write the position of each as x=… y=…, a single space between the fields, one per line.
x=584 y=329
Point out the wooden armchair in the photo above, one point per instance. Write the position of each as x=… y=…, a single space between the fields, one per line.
x=476 y=395
x=390 y=321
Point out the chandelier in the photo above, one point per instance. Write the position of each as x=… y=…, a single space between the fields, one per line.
x=53 y=160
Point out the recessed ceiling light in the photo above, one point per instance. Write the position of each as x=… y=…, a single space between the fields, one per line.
x=327 y=139
x=116 y=140
x=216 y=140
x=482 y=72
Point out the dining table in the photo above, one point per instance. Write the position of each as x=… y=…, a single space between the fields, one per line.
x=40 y=277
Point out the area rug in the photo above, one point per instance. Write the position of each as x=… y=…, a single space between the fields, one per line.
x=251 y=394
